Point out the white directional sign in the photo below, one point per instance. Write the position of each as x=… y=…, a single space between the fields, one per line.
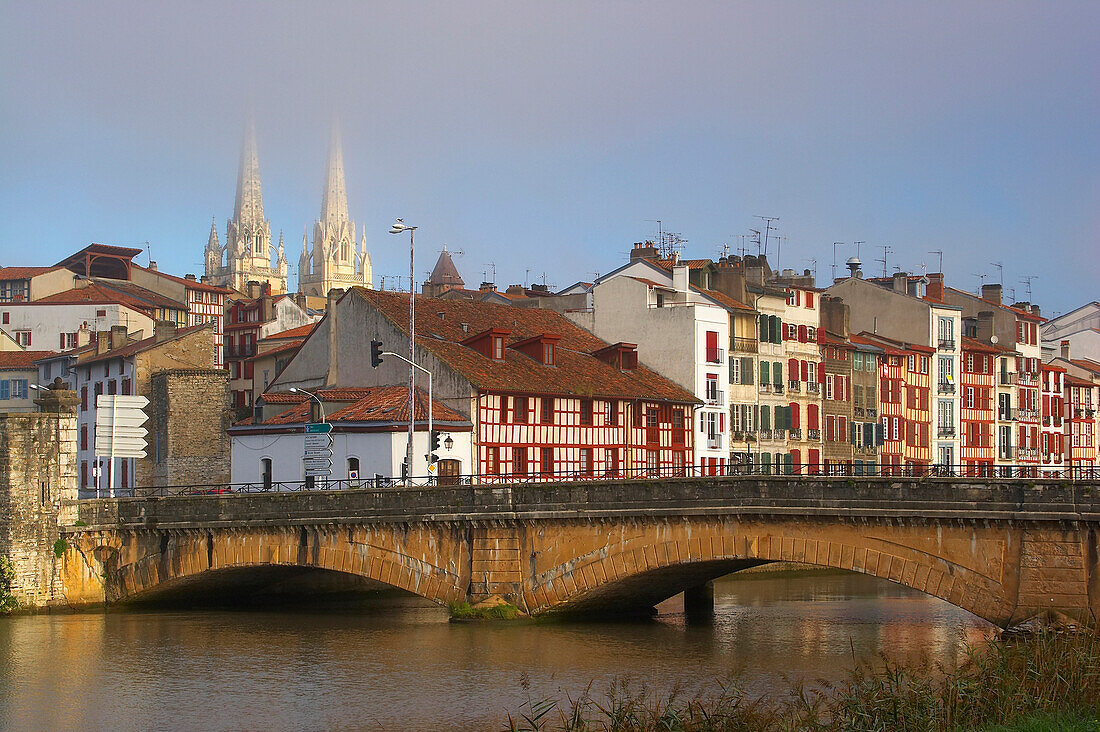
x=318 y=441
x=118 y=426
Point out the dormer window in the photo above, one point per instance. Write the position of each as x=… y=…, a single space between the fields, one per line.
x=542 y=348
x=498 y=348
x=548 y=354
x=489 y=343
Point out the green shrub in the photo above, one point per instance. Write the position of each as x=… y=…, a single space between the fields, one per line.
x=8 y=603
x=60 y=547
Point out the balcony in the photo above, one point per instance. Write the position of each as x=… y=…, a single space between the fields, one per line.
x=947 y=344
x=743 y=345
x=765 y=388
x=765 y=434
x=857 y=411
x=714 y=442
x=742 y=436
x=945 y=430
x=1007 y=379
x=1006 y=452
x=1028 y=452
x=779 y=435
x=813 y=435
x=872 y=412
x=778 y=388
x=1029 y=414
x=794 y=386
x=865 y=449
x=795 y=434
x=717 y=355
x=813 y=387
x=1027 y=377
x=716 y=398
x=945 y=387
x=1007 y=415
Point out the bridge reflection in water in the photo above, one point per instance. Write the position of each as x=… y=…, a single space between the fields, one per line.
x=1004 y=551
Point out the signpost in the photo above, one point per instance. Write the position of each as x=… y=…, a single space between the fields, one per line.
x=119 y=431
x=318 y=450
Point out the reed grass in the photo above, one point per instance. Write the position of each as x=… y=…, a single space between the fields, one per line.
x=1047 y=680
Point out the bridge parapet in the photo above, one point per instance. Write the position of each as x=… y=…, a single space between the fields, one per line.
x=930 y=498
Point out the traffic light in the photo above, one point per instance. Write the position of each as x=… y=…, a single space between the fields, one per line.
x=375 y=353
x=433 y=447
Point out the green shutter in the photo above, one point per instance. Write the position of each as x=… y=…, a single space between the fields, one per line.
x=788 y=462
x=765 y=417
x=746 y=370
x=777 y=373
x=765 y=373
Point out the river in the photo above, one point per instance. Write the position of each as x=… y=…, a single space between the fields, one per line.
x=394 y=664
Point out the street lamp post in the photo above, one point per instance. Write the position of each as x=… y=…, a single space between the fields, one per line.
x=398 y=227
x=314 y=397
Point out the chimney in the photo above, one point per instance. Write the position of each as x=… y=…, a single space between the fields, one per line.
x=153 y=264
x=835 y=316
x=118 y=336
x=487 y=287
x=83 y=337
x=680 y=278
x=190 y=277
x=900 y=280
x=102 y=342
x=1065 y=350
x=985 y=326
x=1035 y=310
x=333 y=335
x=267 y=309
x=164 y=329
x=253 y=289
x=992 y=293
x=935 y=286
x=514 y=290
x=643 y=250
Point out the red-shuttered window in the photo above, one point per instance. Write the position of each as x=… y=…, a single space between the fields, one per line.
x=812 y=418
x=796 y=422
x=712 y=346
x=802 y=334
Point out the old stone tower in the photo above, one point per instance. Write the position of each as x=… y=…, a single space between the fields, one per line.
x=333 y=261
x=247 y=254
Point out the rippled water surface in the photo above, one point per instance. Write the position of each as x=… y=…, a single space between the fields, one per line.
x=399 y=666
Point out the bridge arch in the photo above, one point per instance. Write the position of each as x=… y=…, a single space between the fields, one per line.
x=656 y=560
x=142 y=563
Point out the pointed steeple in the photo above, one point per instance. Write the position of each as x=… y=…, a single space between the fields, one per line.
x=334 y=200
x=213 y=244
x=249 y=207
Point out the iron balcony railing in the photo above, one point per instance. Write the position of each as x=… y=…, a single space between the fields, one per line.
x=813 y=434
x=743 y=345
x=946 y=387
x=736 y=467
x=794 y=386
x=717 y=355
x=1007 y=378
x=1006 y=415
x=813 y=387
x=714 y=442
x=947 y=344
x=795 y=433
x=716 y=398
x=945 y=430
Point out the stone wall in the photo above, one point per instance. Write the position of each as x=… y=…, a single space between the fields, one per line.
x=38 y=484
x=189 y=413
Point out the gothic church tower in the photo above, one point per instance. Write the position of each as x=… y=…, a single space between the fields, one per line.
x=334 y=261
x=248 y=251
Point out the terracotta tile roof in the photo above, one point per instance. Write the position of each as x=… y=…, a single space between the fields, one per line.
x=577 y=371
x=23 y=273
x=651 y=283
x=691 y=263
x=300 y=332
x=99 y=293
x=385 y=404
x=92 y=356
x=725 y=299
x=1052 y=367
x=972 y=344
x=282 y=348
x=22 y=360
x=1071 y=380
x=125 y=252
x=1087 y=365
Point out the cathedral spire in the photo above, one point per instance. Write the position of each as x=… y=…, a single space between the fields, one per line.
x=213 y=244
x=334 y=200
x=249 y=207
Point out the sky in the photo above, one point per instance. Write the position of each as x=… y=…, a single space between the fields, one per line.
x=543 y=139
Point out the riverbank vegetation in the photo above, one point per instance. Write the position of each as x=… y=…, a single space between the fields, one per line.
x=1047 y=680
x=8 y=603
x=499 y=611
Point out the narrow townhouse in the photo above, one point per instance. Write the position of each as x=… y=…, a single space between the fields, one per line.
x=1052 y=441
x=838 y=415
x=978 y=407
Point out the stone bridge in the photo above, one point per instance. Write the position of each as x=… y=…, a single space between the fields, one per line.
x=1005 y=551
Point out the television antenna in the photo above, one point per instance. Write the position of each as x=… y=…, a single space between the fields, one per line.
x=767 y=232
x=492 y=267
x=981 y=281
x=813 y=266
x=887 y=250
x=1000 y=272
x=939 y=261
x=754 y=238
x=835 y=245
x=1026 y=279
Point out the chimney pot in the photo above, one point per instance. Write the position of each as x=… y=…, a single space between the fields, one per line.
x=1065 y=350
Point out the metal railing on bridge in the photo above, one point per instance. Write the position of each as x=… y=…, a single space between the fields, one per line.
x=731 y=470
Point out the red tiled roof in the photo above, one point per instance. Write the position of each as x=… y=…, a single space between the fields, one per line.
x=1087 y=365
x=99 y=293
x=283 y=348
x=21 y=360
x=651 y=283
x=691 y=263
x=724 y=299
x=1072 y=380
x=300 y=332
x=972 y=344
x=577 y=371
x=371 y=404
x=23 y=273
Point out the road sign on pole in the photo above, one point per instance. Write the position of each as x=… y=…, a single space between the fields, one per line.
x=118 y=430
x=318 y=428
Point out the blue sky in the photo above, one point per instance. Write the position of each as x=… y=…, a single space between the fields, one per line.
x=546 y=137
